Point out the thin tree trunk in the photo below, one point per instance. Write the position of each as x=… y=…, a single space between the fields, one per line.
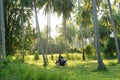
x=114 y=31
x=83 y=56
x=3 y=28
x=80 y=27
x=0 y=40
x=46 y=51
x=101 y=65
x=22 y=25
x=64 y=27
x=50 y=41
x=39 y=36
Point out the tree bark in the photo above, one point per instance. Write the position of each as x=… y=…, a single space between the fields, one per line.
x=114 y=31
x=22 y=25
x=3 y=28
x=101 y=65
x=80 y=27
x=39 y=36
x=64 y=26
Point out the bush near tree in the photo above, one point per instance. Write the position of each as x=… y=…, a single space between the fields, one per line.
x=110 y=48
x=88 y=51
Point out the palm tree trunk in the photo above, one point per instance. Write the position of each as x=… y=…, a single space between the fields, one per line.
x=101 y=65
x=22 y=25
x=64 y=25
x=83 y=56
x=46 y=51
x=114 y=30
x=0 y=41
x=3 y=28
x=39 y=36
x=50 y=41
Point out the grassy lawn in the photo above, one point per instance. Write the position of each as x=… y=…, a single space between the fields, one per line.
x=75 y=70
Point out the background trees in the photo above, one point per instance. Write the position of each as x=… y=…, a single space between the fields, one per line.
x=64 y=7
x=20 y=36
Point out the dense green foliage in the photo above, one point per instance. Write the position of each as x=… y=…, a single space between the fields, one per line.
x=89 y=51
x=110 y=48
x=16 y=11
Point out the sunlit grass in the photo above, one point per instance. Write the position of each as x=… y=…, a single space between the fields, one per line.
x=76 y=69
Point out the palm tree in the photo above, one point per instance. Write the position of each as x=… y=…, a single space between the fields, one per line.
x=64 y=7
x=39 y=35
x=101 y=65
x=80 y=27
x=48 y=8
x=114 y=30
x=24 y=4
x=83 y=17
x=2 y=27
x=22 y=25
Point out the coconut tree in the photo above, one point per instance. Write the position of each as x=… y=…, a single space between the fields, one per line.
x=2 y=28
x=80 y=27
x=114 y=31
x=101 y=65
x=64 y=7
x=48 y=9
x=39 y=35
x=24 y=4
x=83 y=17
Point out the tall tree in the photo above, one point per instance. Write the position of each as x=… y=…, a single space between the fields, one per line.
x=64 y=7
x=101 y=65
x=114 y=30
x=2 y=27
x=22 y=30
x=80 y=27
x=39 y=35
x=47 y=10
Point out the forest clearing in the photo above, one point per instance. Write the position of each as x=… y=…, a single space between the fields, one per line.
x=59 y=39
x=74 y=70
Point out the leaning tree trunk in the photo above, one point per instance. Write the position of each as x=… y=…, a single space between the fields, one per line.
x=114 y=30
x=2 y=28
x=83 y=56
x=101 y=65
x=39 y=36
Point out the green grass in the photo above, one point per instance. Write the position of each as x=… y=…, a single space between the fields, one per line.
x=75 y=70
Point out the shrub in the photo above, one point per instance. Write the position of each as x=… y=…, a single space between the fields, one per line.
x=88 y=51
x=110 y=48
x=7 y=60
x=112 y=63
x=36 y=56
x=73 y=56
x=18 y=57
x=72 y=50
